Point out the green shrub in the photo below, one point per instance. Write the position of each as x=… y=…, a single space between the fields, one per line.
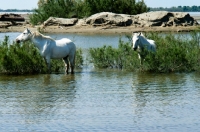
x=20 y=58
x=175 y=53
x=79 y=58
x=108 y=57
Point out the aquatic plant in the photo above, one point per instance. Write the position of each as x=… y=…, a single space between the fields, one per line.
x=175 y=53
x=25 y=58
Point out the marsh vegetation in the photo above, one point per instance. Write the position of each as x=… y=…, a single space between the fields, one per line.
x=175 y=53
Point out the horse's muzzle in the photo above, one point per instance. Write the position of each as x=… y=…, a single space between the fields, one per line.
x=17 y=41
x=134 y=49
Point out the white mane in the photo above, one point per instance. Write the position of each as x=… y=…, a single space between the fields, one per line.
x=147 y=42
x=39 y=35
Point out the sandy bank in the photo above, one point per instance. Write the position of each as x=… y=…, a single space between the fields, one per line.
x=99 y=29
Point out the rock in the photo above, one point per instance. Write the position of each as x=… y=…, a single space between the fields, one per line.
x=149 y=19
x=81 y=22
x=53 y=21
x=105 y=18
x=11 y=17
x=164 y=18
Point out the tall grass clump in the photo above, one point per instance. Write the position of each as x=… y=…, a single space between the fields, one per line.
x=175 y=53
x=25 y=58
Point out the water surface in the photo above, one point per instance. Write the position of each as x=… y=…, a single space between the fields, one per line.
x=98 y=100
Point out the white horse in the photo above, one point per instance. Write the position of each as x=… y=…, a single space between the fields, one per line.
x=142 y=44
x=51 y=49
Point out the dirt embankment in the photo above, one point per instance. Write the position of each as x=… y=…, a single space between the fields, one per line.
x=113 y=23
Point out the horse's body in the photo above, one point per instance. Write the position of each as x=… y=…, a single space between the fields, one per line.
x=52 y=49
x=142 y=44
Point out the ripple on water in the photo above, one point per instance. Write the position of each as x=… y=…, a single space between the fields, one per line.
x=100 y=101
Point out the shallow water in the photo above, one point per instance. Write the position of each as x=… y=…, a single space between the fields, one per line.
x=99 y=100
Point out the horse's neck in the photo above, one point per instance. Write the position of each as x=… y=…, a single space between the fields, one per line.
x=147 y=43
x=39 y=40
x=144 y=42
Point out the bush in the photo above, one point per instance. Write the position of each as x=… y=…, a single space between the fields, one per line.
x=175 y=53
x=25 y=59
x=108 y=57
x=20 y=59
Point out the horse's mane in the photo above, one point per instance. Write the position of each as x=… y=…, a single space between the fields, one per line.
x=39 y=35
x=146 y=39
x=151 y=43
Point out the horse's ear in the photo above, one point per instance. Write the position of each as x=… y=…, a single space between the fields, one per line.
x=139 y=34
x=134 y=33
x=29 y=31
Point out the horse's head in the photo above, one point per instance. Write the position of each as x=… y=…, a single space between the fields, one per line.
x=135 y=40
x=26 y=35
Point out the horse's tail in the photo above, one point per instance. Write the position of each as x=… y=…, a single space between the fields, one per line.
x=74 y=55
x=75 y=58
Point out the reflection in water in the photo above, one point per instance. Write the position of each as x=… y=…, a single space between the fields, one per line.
x=100 y=100
x=166 y=100
x=35 y=99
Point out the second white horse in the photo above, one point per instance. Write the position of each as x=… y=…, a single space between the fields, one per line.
x=142 y=44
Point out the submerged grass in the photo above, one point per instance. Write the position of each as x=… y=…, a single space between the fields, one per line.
x=175 y=53
x=25 y=58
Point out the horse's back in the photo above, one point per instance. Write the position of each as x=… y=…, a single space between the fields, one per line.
x=65 y=42
x=152 y=45
x=63 y=48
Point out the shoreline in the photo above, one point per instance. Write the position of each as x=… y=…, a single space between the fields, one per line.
x=99 y=29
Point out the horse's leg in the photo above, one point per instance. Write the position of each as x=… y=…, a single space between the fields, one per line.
x=66 y=61
x=72 y=62
x=48 y=63
x=139 y=56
